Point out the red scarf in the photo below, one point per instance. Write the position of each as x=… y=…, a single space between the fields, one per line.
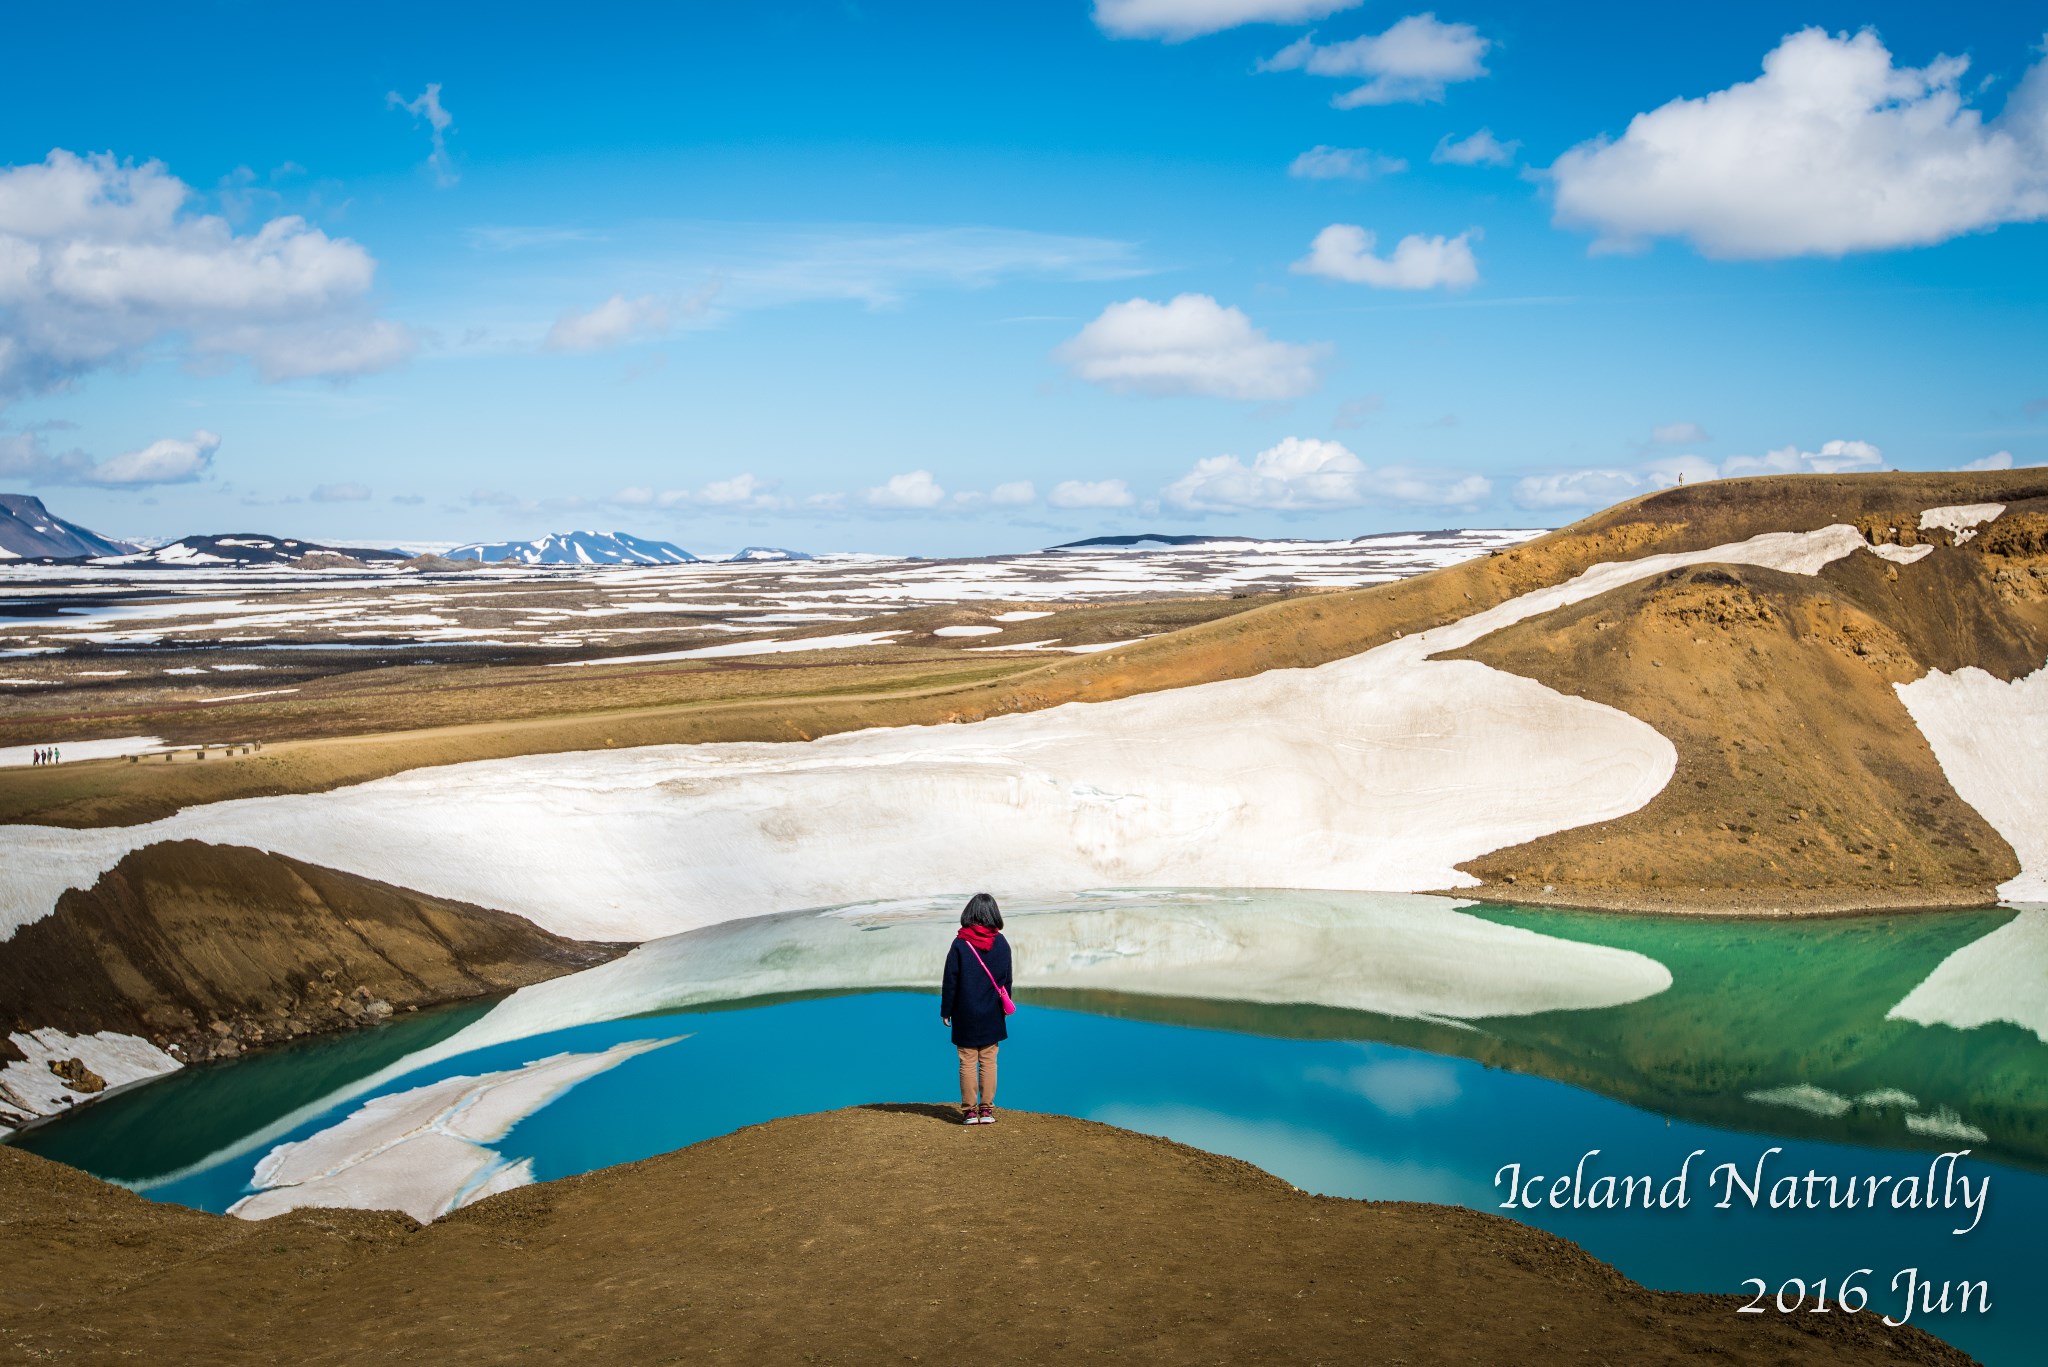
x=982 y=938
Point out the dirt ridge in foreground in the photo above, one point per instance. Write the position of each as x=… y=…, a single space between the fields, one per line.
x=878 y=1234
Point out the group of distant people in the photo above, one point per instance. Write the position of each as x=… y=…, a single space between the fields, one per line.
x=49 y=755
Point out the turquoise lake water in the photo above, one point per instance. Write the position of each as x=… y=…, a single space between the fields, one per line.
x=1767 y=1034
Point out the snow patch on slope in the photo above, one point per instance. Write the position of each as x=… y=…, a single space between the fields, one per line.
x=1991 y=738
x=1960 y=518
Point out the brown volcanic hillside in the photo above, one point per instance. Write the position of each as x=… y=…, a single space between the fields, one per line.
x=205 y=949
x=885 y=1234
x=1801 y=782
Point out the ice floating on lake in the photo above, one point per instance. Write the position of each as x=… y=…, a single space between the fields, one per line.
x=426 y=1151
x=1395 y=954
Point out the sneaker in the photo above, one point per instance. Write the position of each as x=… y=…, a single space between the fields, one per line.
x=970 y=1115
x=987 y=1116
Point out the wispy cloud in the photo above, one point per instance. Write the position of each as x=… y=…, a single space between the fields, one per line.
x=426 y=108
x=170 y=460
x=1177 y=21
x=1411 y=63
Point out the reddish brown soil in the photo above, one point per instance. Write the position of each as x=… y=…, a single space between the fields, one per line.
x=875 y=1235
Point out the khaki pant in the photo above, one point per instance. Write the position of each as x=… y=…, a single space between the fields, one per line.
x=980 y=1062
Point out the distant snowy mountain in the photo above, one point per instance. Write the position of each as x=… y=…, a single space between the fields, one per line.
x=247 y=548
x=29 y=531
x=769 y=553
x=577 y=548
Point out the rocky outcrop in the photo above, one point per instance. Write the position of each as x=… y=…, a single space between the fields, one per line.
x=209 y=950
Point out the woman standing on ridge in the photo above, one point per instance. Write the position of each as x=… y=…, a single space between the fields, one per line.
x=974 y=997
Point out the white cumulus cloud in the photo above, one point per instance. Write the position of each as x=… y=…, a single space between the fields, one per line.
x=1598 y=487
x=742 y=491
x=1834 y=149
x=739 y=491
x=1323 y=162
x=1189 y=345
x=1014 y=494
x=917 y=489
x=101 y=258
x=1410 y=63
x=1833 y=458
x=1303 y=474
x=171 y=460
x=1178 y=20
x=1343 y=251
x=1081 y=493
x=1577 y=488
x=1481 y=149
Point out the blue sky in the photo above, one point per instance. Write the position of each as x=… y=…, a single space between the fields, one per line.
x=948 y=279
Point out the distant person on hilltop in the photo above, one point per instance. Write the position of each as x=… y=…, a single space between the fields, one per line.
x=974 y=999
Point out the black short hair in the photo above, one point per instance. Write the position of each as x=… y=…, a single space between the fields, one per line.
x=982 y=910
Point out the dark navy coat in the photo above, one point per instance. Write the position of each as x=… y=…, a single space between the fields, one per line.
x=967 y=998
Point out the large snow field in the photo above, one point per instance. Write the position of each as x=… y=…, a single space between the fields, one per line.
x=1382 y=771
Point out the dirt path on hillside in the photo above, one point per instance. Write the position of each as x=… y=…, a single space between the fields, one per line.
x=873 y=1235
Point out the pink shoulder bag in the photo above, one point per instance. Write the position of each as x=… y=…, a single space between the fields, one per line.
x=1009 y=1007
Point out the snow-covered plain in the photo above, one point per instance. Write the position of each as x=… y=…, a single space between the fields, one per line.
x=1381 y=771
x=496 y=605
